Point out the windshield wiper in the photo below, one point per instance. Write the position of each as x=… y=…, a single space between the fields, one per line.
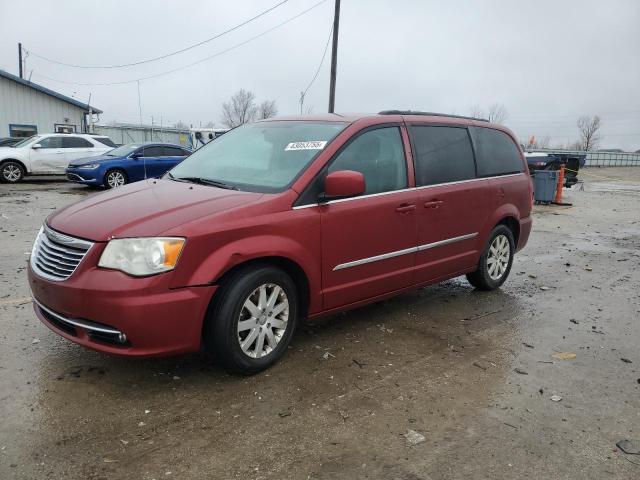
x=203 y=181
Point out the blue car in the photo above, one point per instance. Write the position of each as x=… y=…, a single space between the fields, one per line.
x=126 y=164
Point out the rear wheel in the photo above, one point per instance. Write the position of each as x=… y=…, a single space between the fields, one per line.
x=114 y=178
x=252 y=319
x=11 y=172
x=496 y=260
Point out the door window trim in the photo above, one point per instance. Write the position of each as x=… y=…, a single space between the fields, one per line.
x=423 y=187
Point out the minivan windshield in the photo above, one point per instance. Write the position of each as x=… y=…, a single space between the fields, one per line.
x=261 y=157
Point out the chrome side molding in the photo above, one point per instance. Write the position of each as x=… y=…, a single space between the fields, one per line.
x=406 y=251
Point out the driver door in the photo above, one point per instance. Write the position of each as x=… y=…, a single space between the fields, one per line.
x=369 y=241
x=50 y=157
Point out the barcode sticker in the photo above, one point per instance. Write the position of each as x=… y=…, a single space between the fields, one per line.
x=315 y=145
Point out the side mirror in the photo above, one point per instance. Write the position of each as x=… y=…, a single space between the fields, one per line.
x=36 y=146
x=343 y=183
x=135 y=156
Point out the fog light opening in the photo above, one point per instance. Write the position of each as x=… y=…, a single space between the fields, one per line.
x=122 y=338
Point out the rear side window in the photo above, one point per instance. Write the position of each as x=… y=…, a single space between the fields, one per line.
x=379 y=155
x=105 y=141
x=173 y=152
x=442 y=154
x=496 y=153
x=76 y=142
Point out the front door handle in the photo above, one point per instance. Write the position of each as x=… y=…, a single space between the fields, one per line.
x=406 y=208
x=433 y=204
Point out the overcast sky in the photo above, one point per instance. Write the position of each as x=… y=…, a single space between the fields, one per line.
x=547 y=62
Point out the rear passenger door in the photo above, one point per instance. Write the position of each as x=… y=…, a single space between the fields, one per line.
x=172 y=157
x=453 y=204
x=77 y=147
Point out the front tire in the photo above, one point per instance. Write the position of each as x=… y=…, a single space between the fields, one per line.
x=252 y=319
x=11 y=172
x=496 y=260
x=115 y=178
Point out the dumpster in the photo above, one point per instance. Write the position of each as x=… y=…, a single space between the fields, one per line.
x=545 y=183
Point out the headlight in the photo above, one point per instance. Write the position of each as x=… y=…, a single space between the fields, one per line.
x=88 y=166
x=142 y=256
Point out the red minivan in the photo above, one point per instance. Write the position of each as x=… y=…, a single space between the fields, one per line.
x=280 y=220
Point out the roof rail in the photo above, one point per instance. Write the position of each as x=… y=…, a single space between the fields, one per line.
x=429 y=114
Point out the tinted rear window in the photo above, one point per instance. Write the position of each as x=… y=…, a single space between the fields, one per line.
x=442 y=154
x=105 y=141
x=496 y=153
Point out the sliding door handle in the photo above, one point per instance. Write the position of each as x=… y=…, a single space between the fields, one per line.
x=405 y=208
x=433 y=204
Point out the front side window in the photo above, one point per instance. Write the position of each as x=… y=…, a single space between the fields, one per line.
x=442 y=154
x=497 y=154
x=262 y=156
x=51 y=142
x=151 y=151
x=76 y=142
x=379 y=155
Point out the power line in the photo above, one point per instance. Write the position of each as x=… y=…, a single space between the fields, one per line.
x=176 y=52
x=324 y=54
x=123 y=82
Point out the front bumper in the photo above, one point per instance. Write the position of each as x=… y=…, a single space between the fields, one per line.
x=111 y=312
x=87 y=177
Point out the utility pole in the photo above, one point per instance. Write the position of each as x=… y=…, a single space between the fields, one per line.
x=139 y=104
x=20 y=59
x=334 y=57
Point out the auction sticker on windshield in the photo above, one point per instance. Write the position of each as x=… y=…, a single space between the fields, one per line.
x=315 y=145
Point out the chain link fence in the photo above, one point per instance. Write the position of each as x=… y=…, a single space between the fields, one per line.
x=602 y=159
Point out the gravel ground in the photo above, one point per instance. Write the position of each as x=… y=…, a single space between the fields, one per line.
x=473 y=374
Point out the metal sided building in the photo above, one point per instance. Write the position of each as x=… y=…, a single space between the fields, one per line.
x=27 y=108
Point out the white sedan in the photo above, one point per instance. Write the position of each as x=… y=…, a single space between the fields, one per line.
x=48 y=154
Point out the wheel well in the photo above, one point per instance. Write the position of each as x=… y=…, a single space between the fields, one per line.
x=290 y=267
x=24 y=168
x=513 y=225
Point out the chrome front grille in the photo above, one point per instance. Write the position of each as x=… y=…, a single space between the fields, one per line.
x=56 y=256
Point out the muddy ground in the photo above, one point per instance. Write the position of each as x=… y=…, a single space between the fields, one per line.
x=442 y=362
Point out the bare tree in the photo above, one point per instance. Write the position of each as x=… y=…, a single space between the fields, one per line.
x=476 y=111
x=267 y=109
x=543 y=142
x=240 y=109
x=496 y=113
x=209 y=124
x=589 y=128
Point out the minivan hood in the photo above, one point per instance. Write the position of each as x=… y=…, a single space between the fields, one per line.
x=145 y=208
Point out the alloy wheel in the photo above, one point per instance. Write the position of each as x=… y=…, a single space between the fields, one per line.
x=115 y=179
x=11 y=173
x=263 y=320
x=498 y=257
